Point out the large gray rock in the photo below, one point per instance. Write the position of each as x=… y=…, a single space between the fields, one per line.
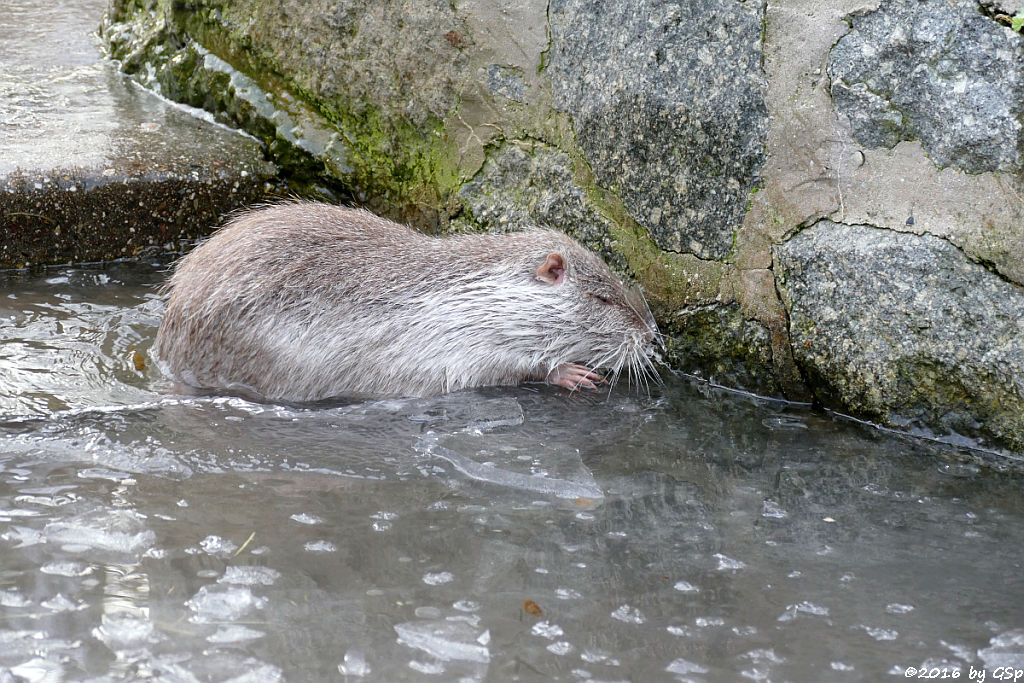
x=904 y=329
x=668 y=106
x=531 y=183
x=938 y=71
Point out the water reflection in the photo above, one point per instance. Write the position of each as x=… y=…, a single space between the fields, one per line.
x=503 y=534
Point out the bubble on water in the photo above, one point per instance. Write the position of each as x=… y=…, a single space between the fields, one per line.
x=881 y=633
x=215 y=545
x=772 y=510
x=841 y=666
x=50 y=499
x=245 y=575
x=567 y=594
x=445 y=640
x=67 y=568
x=437 y=578
x=784 y=422
x=118 y=631
x=897 y=608
x=354 y=664
x=805 y=607
x=428 y=668
x=1004 y=650
x=680 y=631
x=561 y=648
x=727 y=564
x=681 y=667
x=762 y=655
x=8 y=515
x=962 y=651
x=599 y=657
x=546 y=629
x=320 y=547
x=116 y=530
x=629 y=615
x=234 y=634
x=13 y=598
x=100 y=473
x=686 y=587
x=22 y=536
x=305 y=518
x=466 y=605
x=213 y=604
x=59 y=603
x=265 y=673
x=706 y=622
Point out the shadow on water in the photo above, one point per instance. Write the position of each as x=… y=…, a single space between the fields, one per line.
x=500 y=534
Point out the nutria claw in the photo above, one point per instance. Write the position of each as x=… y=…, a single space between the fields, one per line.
x=573 y=376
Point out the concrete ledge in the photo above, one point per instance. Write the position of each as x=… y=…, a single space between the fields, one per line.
x=96 y=168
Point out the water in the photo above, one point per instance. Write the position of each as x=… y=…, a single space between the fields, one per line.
x=501 y=534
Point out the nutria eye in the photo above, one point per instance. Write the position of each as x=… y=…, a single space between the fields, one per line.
x=601 y=297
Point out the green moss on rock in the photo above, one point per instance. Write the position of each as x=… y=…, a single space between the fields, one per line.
x=323 y=139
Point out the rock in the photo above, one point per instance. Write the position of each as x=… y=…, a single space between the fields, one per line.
x=905 y=330
x=937 y=71
x=530 y=183
x=95 y=168
x=718 y=342
x=349 y=97
x=668 y=106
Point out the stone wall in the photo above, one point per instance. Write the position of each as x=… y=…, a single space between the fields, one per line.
x=821 y=198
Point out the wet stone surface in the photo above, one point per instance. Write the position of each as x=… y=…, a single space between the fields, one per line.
x=667 y=105
x=94 y=167
x=525 y=183
x=905 y=329
x=518 y=534
x=940 y=72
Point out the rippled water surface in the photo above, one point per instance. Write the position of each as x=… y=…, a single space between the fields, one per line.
x=502 y=534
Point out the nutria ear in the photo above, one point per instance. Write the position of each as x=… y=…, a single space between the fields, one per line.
x=553 y=270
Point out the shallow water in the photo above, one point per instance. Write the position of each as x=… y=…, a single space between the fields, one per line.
x=501 y=534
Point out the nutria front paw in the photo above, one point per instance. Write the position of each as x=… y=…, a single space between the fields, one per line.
x=573 y=376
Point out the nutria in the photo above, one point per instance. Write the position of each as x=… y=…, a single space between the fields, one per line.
x=302 y=301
